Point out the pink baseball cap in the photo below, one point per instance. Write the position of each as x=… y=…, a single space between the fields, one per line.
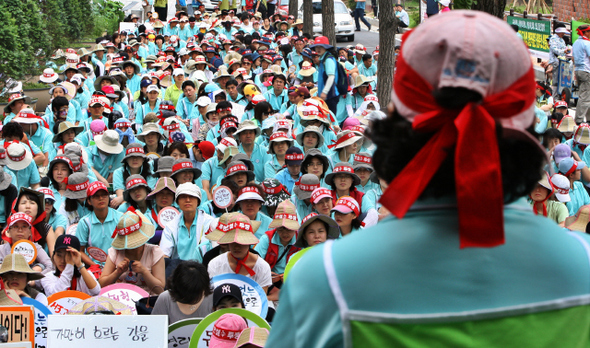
x=350 y=122
x=226 y=330
x=480 y=53
x=347 y=205
x=320 y=193
x=97 y=127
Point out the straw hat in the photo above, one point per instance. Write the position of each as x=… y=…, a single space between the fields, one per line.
x=165 y=78
x=48 y=76
x=64 y=126
x=313 y=129
x=234 y=228
x=305 y=186
x=285 y=216
x=363 y=160
x=361 y=80
x=18 y=156
x=100 y=305
x=307 y=69
x=333 y=231
x=252 y=336
x=567 y=124
x=582 y=134
x=77 y=183
x=579 y=221
x=133 y=230
x=164 y=183
x=98 y=47
x=17 y=263
x=109 y=142
x=9 y=297
x=343 y=168
x=99 y=79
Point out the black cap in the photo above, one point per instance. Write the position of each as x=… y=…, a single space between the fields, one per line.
x=67 y=240
x=225 y=290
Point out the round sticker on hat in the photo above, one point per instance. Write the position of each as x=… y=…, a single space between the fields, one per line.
x=292 y=69
x=97 y=254
x=152 y=155
x=26 y=248
x=166 y=215
x=72 y=229
x=222 y=197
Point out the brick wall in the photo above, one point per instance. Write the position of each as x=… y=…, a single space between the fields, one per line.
x=568 y=9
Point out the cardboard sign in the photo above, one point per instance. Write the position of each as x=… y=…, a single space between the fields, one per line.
x=19 y=321
x=167 y=214
x=97 y=253
x=179 y=333
x=202 y=334
x=99 y=331
x=253 y=294
x=534 y=32
x=222 y=197
x=123 y=26
x=27 y=249
x=127 y=294
x=41 y=314
x=61 y=302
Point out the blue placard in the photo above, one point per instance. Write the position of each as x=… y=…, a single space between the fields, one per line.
x=252 y=293
x=41 y=315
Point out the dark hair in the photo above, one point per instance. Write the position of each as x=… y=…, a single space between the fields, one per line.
x=366 y=57
x=177 y=146
x=133 y=203
x=397 y=144
x=188 y=83
x=189 y=283
x=223 y=105
x=145 y=171
x=57 y=103
x=42 y=227
x=13 y=130
x=546 y=87
x=260 y=108
x=550 y=134
x=280 y=76
x=231 y=82
x=54 y=183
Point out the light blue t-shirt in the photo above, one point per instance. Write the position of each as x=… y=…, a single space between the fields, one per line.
x=91 y=232
x=427 y=273
x=581 y=53
x=262 y=249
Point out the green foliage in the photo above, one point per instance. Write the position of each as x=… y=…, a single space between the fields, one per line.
x=107 y=16
x=414 y=19
x=34 y=85
x=536 y=9
x=32 y=30
x=463 y=4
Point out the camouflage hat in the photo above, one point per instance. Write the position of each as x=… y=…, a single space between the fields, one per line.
x=275 y=192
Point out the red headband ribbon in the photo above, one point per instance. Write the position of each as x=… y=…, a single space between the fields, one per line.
x=33 y=116
x=123 y=231
x=472 y=131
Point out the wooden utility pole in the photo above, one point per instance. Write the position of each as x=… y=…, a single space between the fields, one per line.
x=387 y=29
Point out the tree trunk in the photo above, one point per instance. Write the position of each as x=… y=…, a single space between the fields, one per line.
x=308 y=17
x=293 y=8
x=328 y=26
x=493 y=7
x=387 y=29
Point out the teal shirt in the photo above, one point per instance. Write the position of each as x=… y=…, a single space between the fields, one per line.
x=262 y=249
x=110 y=163
x=579 y=197
x=427 y=273
x=265 y=220
x=43 y=138
x=212 y=171
x=259 y=157
x=91 y=232
x=27 y=176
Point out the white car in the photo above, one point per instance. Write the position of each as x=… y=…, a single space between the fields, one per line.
x=342 y=19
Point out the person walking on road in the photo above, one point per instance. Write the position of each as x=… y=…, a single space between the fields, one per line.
x=581 y=53
x=359 y=12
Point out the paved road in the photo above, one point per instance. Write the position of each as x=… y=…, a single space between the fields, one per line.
x=368 y=38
